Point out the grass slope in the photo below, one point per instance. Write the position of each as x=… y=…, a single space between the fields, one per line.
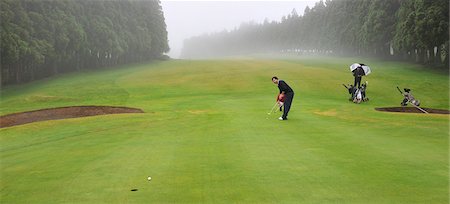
x=206 y=137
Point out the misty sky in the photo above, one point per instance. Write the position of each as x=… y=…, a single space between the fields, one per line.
x=185 y=19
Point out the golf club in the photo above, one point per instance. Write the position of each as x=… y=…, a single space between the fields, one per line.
x=272 y=108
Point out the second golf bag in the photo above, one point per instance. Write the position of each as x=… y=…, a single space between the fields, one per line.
x=409 y=98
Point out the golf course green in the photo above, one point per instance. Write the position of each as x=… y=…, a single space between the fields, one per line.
x=206 y=137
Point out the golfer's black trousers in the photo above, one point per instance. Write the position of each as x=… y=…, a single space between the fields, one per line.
x=287 y=104
x=357 y=82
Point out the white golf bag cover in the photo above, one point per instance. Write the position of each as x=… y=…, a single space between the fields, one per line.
x=358 y=96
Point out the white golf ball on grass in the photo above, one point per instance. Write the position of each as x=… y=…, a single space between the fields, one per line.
x=149 y=178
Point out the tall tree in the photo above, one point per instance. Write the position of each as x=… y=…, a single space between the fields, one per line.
x=44 y=38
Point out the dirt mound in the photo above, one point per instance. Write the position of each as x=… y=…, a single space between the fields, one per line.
x=61 y=113
x=413 y=110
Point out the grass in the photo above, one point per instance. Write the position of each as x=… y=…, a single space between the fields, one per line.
x=206 y=137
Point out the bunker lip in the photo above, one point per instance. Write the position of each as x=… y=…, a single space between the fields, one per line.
x=412 y=110
x=61 y=113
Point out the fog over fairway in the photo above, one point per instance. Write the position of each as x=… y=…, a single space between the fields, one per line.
x=185 y=19
x=101 y=34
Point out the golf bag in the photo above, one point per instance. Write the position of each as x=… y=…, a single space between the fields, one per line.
x=357 y=95
x=408 y=98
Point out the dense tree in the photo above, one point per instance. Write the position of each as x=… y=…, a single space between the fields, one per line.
x=415 y=30
x=378 y=28
x=44 y=38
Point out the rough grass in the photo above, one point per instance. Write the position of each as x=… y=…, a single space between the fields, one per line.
x=206 y=136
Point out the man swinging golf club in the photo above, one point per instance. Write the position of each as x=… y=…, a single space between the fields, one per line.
x=286 y=93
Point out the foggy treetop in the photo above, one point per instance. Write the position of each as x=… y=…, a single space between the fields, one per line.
x=415 y=30
x=44 y=38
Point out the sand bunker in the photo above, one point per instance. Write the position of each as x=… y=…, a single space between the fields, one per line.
x=61 y=113
x=413 y=110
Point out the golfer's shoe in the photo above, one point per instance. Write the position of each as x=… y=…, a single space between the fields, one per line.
x=281 y=118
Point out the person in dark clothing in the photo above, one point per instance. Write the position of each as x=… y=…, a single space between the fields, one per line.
x=288 y=95
x=358 y=73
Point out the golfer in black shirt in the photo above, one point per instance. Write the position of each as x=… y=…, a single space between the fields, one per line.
x=358 y=73
x=288 y=93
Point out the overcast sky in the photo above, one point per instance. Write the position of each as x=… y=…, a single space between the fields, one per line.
x=185 y=19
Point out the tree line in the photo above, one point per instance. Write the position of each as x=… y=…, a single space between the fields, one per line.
x=45 y=38
x=414 y=30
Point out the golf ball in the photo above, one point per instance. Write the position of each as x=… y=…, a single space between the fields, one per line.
x=149 y=178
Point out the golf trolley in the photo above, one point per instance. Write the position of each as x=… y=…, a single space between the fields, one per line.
x=409 y=98
x=357 y=95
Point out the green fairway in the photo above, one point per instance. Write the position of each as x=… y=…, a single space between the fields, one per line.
x=205 y=136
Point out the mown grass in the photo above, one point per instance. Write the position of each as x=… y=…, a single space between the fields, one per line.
x=206 y=137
